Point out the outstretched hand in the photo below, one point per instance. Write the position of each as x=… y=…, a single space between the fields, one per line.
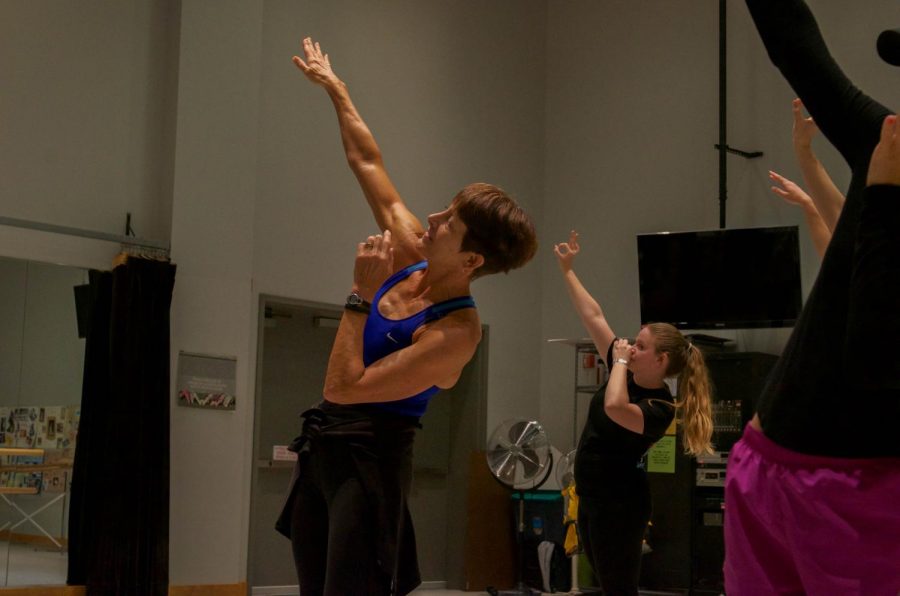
x=790 y=192
x=566 y=252
x=884 y=168
x=374 y=264
x=317 y=67
x=804 y=127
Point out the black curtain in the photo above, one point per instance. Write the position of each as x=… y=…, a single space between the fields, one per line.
x=119 y=509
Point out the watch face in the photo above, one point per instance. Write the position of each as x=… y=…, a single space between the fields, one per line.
x=354 y=299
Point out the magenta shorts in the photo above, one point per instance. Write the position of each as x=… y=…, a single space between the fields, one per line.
x=805 y=524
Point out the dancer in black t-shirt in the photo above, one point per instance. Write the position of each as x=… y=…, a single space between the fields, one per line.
x=630 y=413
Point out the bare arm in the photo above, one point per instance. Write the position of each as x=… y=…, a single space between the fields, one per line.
x=364 y=157
x=588 y=309
x=437 y=355
x=616 y=402
x=828 y=200
x=793 y=194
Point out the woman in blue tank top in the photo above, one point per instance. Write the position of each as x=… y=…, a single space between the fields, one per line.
x=408 y=330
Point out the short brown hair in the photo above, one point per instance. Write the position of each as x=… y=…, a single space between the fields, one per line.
x=496 y=228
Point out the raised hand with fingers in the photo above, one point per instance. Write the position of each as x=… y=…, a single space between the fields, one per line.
x=317 y=66
x=566 y=251
x=790 y=192
x=795 y=195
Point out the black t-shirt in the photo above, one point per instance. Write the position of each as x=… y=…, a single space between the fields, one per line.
x=608 y=453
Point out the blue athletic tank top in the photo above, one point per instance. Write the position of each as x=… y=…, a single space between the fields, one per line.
x=383 y=336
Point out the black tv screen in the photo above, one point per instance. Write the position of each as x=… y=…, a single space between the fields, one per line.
x=721 y=279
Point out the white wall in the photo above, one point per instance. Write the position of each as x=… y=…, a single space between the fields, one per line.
x=213 y=310
x=84 y=107
x=595 y=115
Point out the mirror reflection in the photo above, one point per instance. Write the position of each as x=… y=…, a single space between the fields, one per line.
x=41 y=362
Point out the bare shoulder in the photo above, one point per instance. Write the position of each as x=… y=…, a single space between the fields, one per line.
x=406 y=234
x=461 y=327
x=455 y=337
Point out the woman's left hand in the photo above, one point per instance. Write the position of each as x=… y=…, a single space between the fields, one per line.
x=567 y=251
x=374 y=264
x=622 y=349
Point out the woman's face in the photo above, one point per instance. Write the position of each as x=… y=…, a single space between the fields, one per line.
x=444 y=234
x=644 y=359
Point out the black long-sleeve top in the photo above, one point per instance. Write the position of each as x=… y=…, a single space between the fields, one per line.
x=836 y=389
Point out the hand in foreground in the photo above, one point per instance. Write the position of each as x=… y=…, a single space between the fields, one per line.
x=374 y=264
x=804 y=127
x=621 y=349
x=317 y=67
x=790 y=192
x=566 y=252
x=884 y=168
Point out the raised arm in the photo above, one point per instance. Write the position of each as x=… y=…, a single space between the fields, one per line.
x=793 y=194
x=364 y=157
x=436 y=357
x=588 y=309
x=848 y=117
x=828 y=200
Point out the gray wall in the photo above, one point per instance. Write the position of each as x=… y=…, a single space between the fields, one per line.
x=596 y=115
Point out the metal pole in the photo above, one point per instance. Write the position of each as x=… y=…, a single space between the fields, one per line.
x=69 y=231
x=723 y=145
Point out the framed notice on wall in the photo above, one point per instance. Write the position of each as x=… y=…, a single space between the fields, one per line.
x=206 y=381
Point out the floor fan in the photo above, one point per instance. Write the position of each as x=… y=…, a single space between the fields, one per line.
x=518 y=455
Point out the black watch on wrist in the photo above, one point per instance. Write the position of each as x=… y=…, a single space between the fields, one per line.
x=356 y=303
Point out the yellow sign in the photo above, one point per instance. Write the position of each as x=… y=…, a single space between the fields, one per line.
x=661 y=457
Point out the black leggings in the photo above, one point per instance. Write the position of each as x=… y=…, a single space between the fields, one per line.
x=349 y=525
x=334 y=529
x=611 y=532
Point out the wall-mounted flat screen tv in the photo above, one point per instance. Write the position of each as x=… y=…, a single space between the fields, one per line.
x=721 y=279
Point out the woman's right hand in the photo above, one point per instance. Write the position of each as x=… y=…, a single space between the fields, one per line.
x=317 y=67
x=790 y=192
x=566 y=252
x=374 y=264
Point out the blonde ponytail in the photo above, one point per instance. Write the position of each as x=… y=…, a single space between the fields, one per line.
x=694 y=404
x=693 y=388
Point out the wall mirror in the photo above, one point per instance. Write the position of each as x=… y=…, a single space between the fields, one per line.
x=41 y=363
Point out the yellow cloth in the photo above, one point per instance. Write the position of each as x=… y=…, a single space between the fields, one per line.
x=570 y=519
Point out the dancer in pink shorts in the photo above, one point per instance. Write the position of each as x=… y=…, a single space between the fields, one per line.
x=812 y=497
